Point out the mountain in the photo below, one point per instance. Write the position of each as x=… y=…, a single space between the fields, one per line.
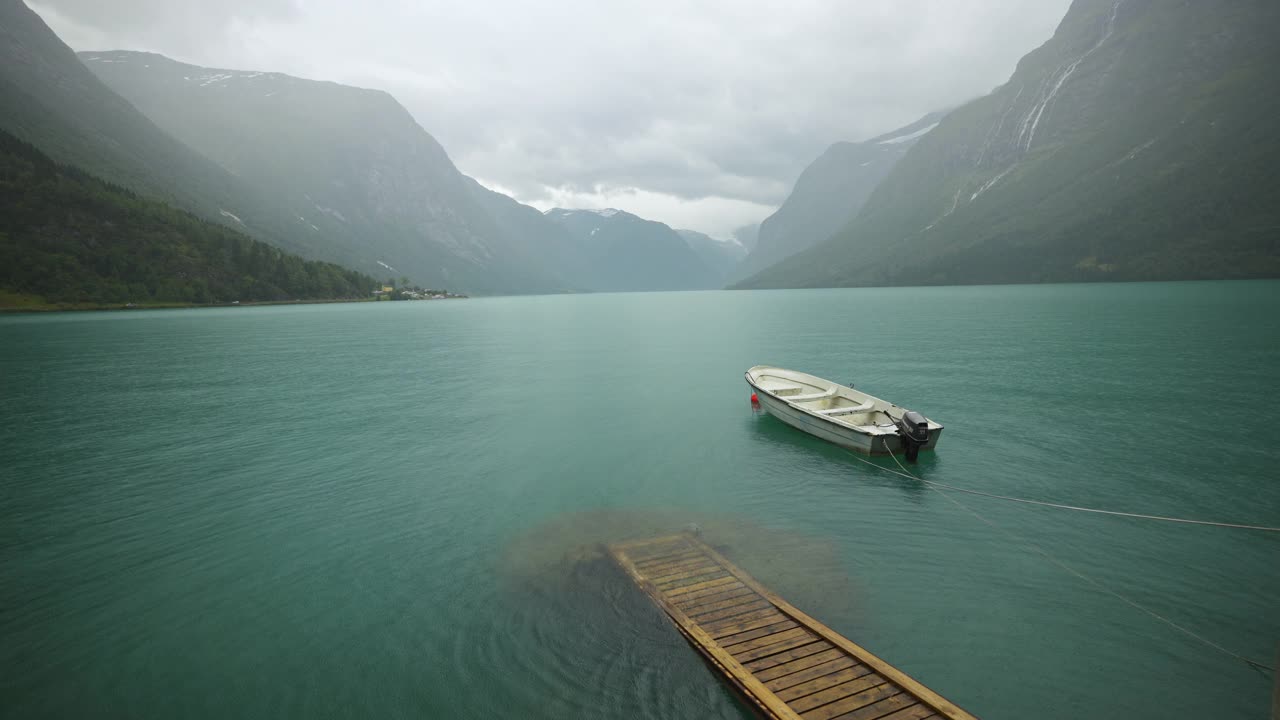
x=346 y=164
x=829 y=193
x=747 y=236
x=628 y=253
x=49 y=98
x=68 y=237
x=720 y=256
x=1138 y=143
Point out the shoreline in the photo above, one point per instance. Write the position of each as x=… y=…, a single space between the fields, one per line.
x=101 y=307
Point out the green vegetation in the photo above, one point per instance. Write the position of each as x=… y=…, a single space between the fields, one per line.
x=354 y=177
x=1138 y=143
x=50 y=99
x=828 y=194
x=67 y=238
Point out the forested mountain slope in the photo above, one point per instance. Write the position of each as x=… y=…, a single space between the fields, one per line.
x=67 y=237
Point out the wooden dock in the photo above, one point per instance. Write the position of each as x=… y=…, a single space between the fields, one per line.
x=785 y=662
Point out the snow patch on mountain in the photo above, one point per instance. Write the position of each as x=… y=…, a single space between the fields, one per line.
x=908 y=137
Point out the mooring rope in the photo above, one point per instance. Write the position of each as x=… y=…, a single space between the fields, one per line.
x=1076 y=508
x=937 y=487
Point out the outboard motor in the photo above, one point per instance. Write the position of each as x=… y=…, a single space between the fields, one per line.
x=913 y=429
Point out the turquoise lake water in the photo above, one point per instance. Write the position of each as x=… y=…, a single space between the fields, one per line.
x=395 y=509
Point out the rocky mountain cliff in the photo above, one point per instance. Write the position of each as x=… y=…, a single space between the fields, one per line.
x=1138 y=143
x=829 y=193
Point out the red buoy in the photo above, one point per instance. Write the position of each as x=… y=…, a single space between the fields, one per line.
x=755 y=400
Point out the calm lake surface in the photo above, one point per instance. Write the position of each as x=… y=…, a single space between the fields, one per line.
x=395 y=509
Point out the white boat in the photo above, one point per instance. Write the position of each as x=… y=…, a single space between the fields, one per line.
x=841 y=415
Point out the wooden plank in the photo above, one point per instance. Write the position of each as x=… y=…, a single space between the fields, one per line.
x=756 y=604
x=919 y=711
x=784 y=662
x=744 y=680
x=714 y=574
x=678 y=556
x=831 y=693
x=701 y=586
x=782 y=646
x=664 y=578
x=706 y=608
x=940 y=704
x=766 y=640
x=709 y=591
x=849 y=704
x=685 y=558
x=664 y=551
x=878 y=710
x=749 y=621
x=726 y=593
x=731 y=640
x=677 y=578
x=662 y=567
x=674 y=578
x=788 y=656
x=690 y=554
x=685 y=602
x=822 y=682
x=794 y=666
x=805 y=675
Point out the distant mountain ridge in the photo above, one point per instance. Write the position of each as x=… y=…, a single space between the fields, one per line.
x=628 y=253
x=1138 y=143
x=722 y=257
x=51 y=100
x=347 y=163
x=352 y=164
x=829 y=193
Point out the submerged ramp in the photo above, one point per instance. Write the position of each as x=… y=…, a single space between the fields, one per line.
x=785 y=662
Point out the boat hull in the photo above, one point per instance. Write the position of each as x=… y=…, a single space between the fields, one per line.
x=836 y=433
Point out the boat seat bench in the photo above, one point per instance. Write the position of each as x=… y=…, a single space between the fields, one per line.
x=829 y=392
x=779 y=388
x=837 y=411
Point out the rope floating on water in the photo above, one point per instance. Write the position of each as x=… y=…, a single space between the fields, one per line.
x=935 y=486
x=1076 y=508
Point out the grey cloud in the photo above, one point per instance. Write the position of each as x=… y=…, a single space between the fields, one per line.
x=175 y=23
x=704 y=99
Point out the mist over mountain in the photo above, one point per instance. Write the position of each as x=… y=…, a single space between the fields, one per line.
x=720 y=256
x=72 y=239
x=346 y=163
x=748 y=236
x=1137 y=144
x=829 y=193
x=628 y=253
x=1133 y=145
x=51 y=100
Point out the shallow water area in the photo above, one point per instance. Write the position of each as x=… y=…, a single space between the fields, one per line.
x=398 y=509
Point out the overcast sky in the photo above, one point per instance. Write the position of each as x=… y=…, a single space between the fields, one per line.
x=697 y=113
